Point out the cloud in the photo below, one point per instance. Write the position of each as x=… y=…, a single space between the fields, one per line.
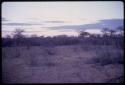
x=19 y=24
x=54 y=21
x=65 y=30
x=76 y=27
x=110 y=23
x=4 y=19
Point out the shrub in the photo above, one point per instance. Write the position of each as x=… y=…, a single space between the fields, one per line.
x=49 y=51
x=104 y=57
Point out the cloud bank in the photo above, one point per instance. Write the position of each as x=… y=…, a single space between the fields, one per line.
x=19 y=24
x=109 y=23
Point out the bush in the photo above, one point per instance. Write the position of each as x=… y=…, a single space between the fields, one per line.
x=49 y=51
x=104 y=57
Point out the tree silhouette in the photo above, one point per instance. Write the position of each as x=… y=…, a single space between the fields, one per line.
x=18 y=36
x=121 y=30
x=83 y=33
x=105 y=31
x=18 y=33
x=112 y=32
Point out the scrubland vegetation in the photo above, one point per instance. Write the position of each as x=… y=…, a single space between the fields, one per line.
x=63 y=59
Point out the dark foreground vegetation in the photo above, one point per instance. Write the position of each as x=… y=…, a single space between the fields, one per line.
x=88 y=58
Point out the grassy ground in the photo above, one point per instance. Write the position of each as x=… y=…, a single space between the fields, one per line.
x=62 y=64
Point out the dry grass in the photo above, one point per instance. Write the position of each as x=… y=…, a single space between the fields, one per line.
x=60 y=64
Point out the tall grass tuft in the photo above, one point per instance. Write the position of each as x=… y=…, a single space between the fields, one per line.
x=107 y=56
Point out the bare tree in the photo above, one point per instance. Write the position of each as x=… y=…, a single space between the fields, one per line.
x=105 y=31
x=112 y=32
x=121 y=30
x=18 y=33
x=18 y=36
x=83 y=34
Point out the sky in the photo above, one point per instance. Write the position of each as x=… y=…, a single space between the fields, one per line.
x=46 y=18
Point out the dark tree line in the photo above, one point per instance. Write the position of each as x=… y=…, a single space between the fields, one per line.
x=109 y=37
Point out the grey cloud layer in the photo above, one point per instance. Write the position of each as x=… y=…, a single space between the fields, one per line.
x=26 y=24
x=54 y=21
x=110 y=23
x=19 y=24
x=4 y=19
